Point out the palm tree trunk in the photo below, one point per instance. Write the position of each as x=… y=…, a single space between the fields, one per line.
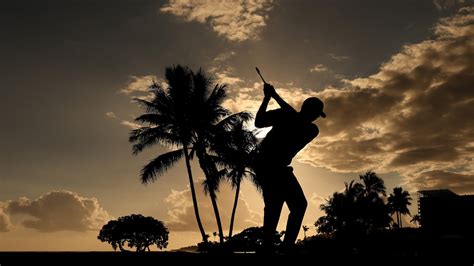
x=398 y=219
x=401 y=225
x=234 y=209
x=193 y=194
x=210 y=171
x=218 y=217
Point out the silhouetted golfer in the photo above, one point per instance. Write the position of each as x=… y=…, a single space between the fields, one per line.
x=291 y=131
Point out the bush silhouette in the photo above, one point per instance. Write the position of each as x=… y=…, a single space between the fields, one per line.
x=135 y=230
x=250 y=239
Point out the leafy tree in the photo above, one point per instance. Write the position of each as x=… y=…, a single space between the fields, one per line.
x=135 y=231
x=398 y=202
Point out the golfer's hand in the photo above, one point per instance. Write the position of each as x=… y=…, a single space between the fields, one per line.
x=268 y=90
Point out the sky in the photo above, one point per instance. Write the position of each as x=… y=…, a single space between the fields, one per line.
x=396 y=78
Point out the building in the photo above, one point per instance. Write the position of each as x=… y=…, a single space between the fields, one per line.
x=443 y=211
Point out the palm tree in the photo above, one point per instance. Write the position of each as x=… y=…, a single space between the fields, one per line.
x=235 y=148
x=359 y=209
x=416 y=219
x=374 y=185
x=399 y=202
x=305 y=229
x=169 y=123
x=213 y=124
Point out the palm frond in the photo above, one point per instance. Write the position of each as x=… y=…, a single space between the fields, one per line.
x=145 y=137
x=159 y=165
x=233 y=120
x=152 y=119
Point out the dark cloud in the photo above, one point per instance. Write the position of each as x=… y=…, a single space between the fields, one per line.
x=412 y=113
x=459 y=183
x=448 y=4
x=58 y=211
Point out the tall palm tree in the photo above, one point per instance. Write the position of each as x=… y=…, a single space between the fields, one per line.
x=168 y=122
x=235 y=149
x=398 y=202
x=213 y=123
x=374 y=185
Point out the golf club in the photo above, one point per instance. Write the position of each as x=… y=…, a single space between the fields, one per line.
x=258 y=71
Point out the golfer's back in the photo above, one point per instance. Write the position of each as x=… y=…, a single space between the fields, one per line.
x=287 y=137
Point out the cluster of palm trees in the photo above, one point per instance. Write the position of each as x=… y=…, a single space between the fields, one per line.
x=363 y=208
x=188 y=117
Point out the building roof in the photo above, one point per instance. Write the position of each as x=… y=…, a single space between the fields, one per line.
x=437 y=193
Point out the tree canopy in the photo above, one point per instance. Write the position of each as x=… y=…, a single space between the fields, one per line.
x=135 y=231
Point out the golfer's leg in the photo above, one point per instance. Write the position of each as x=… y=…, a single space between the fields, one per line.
x=273 y=205
x=297 y=204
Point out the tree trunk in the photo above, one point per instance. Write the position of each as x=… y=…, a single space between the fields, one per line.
x=210 y=171
x=234 y=209
x=401 y=225
x=216 y=213
x=398 y=219
x=193 y=194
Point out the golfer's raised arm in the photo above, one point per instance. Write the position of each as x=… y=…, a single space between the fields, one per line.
x=261 y=119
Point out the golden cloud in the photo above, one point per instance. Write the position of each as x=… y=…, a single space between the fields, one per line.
x=58 y=211
x=236 y=20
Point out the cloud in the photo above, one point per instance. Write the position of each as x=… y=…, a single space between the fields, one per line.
x=316 y=200
x=437 y=179
x=110 y=114
x=138 y=84
x=318 y=68
x=58 y=211
x=129 y=124
x=339 y=57
x=123 y=122
x=221 y=68
x=448 y=4
x=412 y=116
x=237 y=20
x=5 y=224
x=181 y=214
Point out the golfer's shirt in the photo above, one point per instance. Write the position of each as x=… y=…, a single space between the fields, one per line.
x=287 y=137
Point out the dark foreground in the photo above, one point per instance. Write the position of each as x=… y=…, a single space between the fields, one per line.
x=400 y=247
x=179 y=258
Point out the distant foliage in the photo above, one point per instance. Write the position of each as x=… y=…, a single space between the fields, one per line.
x=358 y=210
x=135 y=231
x=250 y=239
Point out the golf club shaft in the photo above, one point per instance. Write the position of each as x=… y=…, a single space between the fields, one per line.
x=258 y=71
